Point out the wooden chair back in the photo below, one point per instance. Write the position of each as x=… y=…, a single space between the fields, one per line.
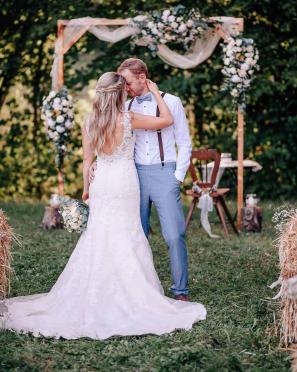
x=198 y=167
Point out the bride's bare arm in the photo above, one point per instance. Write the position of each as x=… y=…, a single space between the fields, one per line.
x=140 y=121
x=88 y=156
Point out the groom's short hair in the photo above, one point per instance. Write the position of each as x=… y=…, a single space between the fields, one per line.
x=135 y=65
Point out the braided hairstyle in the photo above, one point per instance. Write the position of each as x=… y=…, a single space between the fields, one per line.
x=109 y=103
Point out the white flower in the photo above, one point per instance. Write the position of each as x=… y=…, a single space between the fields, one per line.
x=238 y=42
x=52 y=94
x=60 y=119
x=229 y=53
x=154 y=31
x=69 y=97
x=160 y=25
x=249 y=48
x=48 y=113
x=232 y=70
x=163 y=41
x=57 y=101
x=144 y=32
x=60 y=129
x=65 y=102
x=171 y=18
x=182 y=28
x=166 y=13
x=51 y=123
x=242 y=73
x=235 y=79
x=57 y=106
x=168 y=37
x=244 y=66
x=227 y=61
x=190 y=23
x=140 y=18
x=174 y=25
x=234 y=93
x=68 y=124
x=150 y=25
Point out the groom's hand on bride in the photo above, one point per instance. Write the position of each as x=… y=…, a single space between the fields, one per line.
x=92 y=172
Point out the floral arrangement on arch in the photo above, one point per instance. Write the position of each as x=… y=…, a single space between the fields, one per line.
x=57 y=113
x=177 y=25
x=240 y=62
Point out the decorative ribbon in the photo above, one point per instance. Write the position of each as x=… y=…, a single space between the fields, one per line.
x=206 y=206
x=288 y=288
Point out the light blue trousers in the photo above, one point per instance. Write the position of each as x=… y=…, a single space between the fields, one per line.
x=159 y=186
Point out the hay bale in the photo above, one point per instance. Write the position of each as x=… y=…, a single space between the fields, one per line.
x=6 y=237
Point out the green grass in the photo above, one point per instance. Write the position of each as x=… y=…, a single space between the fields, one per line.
x=229 y=277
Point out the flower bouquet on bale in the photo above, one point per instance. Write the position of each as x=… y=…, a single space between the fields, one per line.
x=74 y=214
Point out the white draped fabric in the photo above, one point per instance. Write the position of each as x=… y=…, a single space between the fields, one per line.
x=202 y=48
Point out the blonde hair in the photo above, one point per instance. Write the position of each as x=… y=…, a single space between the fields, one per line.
x=109 y=102
x=134 y=65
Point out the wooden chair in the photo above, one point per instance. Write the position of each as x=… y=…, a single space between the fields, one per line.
x=201 y=177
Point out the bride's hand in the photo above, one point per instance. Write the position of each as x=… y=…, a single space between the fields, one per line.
x=85 y=196
x=152 y=86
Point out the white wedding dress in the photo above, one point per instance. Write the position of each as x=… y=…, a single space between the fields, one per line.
x=109 y=286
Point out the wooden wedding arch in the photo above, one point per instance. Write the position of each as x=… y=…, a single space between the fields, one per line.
x=62 y=47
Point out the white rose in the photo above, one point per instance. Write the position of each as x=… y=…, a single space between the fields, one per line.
x=168 y=37
x=57 y=101
x=234 y=93
x=68 y=124
x=249 y=61
x=57 y=106
x=229 y=53
x=48 y=113
x=140 y=18
x=150 y=25
x=154 y=31
x=60 y=129
x=238 y=42
x=242 y=73
x=235 y=79
x=182 y=28
x=190 y=23
x=249 y=48
x=52 y=94
x=166 y=13
x=51 y=123
x=232 y=70
x=144 y=32
x=227 y=61
x=171 y=18
x=60 y=119
x=69 y=97
x=244 y=66
x=163 y=41
x=160 y=25
x=64 y=102
x=174 y=25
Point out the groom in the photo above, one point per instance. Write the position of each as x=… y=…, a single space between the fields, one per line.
x=160 y=169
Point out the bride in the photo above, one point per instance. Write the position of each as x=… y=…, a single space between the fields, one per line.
x=109 y=286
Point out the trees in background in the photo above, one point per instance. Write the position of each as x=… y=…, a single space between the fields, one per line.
x=28 y=29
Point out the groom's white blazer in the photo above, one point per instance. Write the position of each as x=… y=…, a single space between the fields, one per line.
x=177 y=135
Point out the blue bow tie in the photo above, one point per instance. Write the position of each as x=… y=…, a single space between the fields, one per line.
x=147 y=97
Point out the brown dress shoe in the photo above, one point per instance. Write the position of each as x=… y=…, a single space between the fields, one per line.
x=182 y=297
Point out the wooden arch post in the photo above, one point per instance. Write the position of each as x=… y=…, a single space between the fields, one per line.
x=60 y=53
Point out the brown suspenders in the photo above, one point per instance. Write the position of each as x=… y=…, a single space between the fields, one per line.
x=160 y=142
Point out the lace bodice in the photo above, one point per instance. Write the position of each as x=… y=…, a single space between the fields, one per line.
x=125 y=150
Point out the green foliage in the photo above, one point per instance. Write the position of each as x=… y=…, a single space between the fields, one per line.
x=230 y=277
x=29 y=30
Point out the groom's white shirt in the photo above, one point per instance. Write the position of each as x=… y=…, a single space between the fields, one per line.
x=177 y=135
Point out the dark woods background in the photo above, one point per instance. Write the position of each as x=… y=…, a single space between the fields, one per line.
x=28 y=30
